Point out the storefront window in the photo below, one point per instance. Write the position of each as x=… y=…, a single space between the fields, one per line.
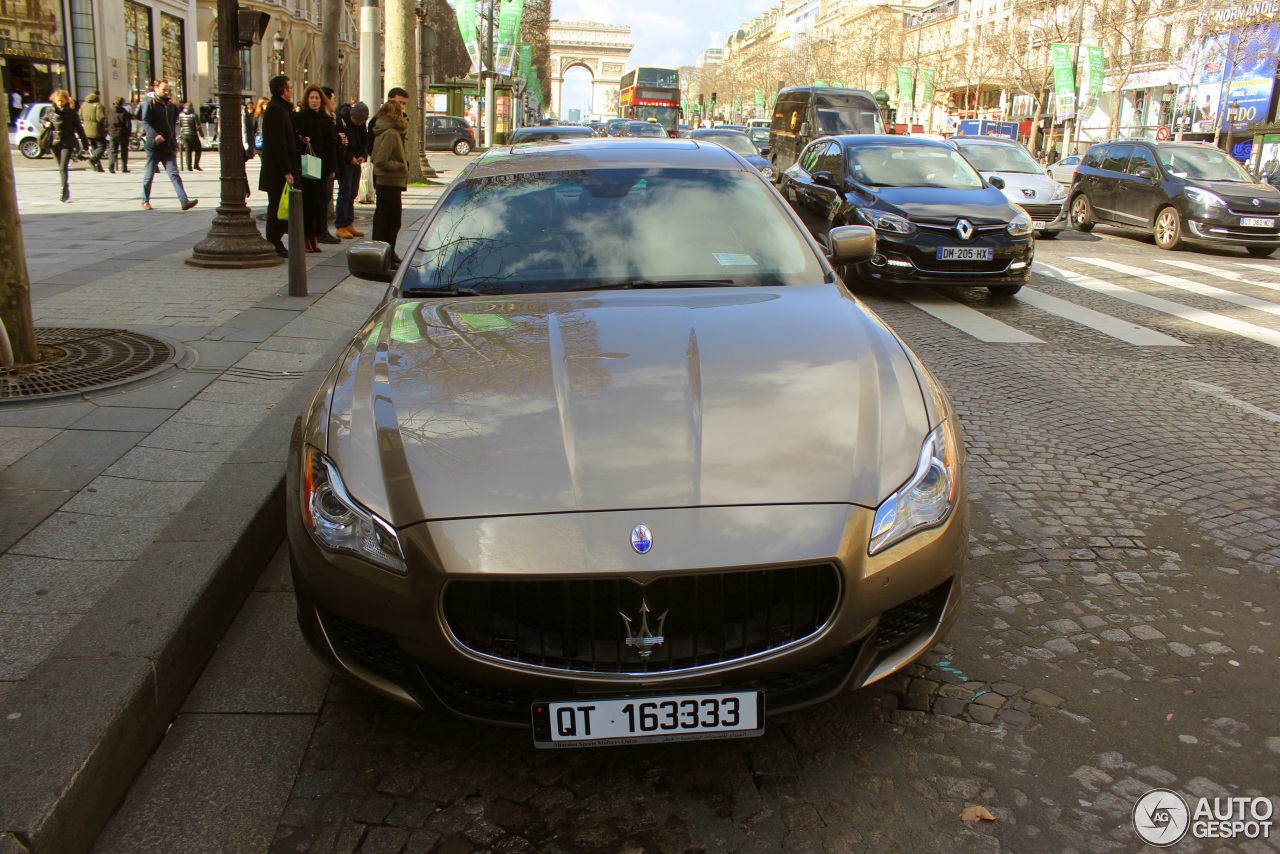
x=32 y=48
x=173 y=55
x=138 y=49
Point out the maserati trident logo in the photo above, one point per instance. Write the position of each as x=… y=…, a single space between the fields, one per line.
x=964 y=229
x=641 y=539
x=643 y=638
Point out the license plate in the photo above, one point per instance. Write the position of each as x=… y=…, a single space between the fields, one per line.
x=690 y=717
x=1257 y=222
x=1038 y=225
x=965 y=253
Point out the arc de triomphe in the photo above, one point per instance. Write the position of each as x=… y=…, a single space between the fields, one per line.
x=602 y=49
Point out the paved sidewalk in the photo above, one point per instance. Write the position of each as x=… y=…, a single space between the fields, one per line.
x=135 y=520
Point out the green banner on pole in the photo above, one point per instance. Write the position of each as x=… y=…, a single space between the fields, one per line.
x=1093 y=72
x=526 y=61
x=904 y=85
x=508 y=32
x=926 y=97
x=467 y=28
x=759 y=99
x=1064 y=84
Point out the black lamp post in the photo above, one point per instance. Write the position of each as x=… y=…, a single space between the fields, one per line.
x=1231 y=126
x=234 y=241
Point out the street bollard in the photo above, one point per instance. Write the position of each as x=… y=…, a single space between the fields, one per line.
x=297 y=246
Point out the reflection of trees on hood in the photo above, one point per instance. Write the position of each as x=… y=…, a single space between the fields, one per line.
x=449 y=57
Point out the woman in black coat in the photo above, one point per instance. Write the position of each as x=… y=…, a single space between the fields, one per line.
x=315 y=136
x=65 y=128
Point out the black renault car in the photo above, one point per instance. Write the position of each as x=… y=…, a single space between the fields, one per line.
x=1179 y=192
x=937 y=221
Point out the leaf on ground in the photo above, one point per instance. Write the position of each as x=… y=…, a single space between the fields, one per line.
x=976 y=814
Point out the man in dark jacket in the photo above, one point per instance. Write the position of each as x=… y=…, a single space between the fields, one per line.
x=160 y=143
x=351 y=121
x=280 y=158
x=119 y=128
x=94 y=119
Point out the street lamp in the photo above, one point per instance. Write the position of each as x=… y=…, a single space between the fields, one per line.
x=277 y=43
x=342 y=61
x=1232 y=112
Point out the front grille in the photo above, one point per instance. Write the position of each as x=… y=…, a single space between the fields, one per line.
x=703 y=619
x=997 y=265
x=1253 y=212
x=370 y=648
x=1047 y=213
x=903 y=622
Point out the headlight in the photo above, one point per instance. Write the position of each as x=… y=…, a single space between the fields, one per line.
x=924 y=500
x=767 y=171
x=1060 y=193
x=339 y=523
x=891 y=223
x=1020 y=225
x=1204 y=198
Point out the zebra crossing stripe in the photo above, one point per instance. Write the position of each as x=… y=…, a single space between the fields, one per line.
x=1164 y=306
x=1273 y=269
x=1229 y=275
x=959 y=316
x=1128 y=332
x=1226 y=397
x=1186 y=285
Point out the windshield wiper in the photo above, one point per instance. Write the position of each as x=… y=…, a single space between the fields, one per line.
x=639 y=284
x=440 y=292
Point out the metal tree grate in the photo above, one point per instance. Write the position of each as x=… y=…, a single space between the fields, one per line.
x=90 y=359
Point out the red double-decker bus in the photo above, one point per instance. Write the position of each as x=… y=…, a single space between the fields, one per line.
x=651 y=92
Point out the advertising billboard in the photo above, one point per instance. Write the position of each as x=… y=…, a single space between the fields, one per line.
x=1237 y=67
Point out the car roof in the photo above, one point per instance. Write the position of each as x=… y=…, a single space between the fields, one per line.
x=883 y=138
x=611 y=153
x=721 y=130
x=986 y=140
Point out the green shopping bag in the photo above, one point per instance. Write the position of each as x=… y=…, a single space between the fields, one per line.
x=283 y=211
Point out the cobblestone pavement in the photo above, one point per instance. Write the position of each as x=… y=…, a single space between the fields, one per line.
x=1119 y=633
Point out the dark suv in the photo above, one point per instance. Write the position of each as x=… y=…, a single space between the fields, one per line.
x=449 y=133
x=1179 y=192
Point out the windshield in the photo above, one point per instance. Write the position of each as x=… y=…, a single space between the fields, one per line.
x=644 y=129
x=556 y=231
x=839 y=114
x=668 y=77
x=1206 y=164
x=911 y=166
x=760 y=136
x=532 y=135
x=987 y=157
x=737 y=143
x=665 y=116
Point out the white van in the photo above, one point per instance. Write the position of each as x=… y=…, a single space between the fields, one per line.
x=759 y=123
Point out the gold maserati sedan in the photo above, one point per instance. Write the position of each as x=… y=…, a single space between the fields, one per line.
x=619 y=459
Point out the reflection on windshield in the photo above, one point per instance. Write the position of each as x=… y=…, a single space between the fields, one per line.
x=911 y=166
x=668 y=77
x=839 y=114
x=732 y=141
x=999 y=158
x=554 y=231
x=1206 y=164
x=760 y=135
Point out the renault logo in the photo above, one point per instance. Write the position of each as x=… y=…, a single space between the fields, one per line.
x=643 y=638
x=964 y=229
x=1257 y=203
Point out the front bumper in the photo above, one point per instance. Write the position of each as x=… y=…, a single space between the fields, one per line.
x=1050 y=217
x=914 y=259
x=1228 y=231
x=390 y=634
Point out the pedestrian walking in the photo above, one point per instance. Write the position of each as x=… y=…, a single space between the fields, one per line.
x=94 y=118
x=390 y=173
x=192 y=139
x=351 y=121
x=315 y=137
x=280 y=160
x=253 y=127
x=159 y=139
x=119 y=130
x=65 y=130
x=331 y=169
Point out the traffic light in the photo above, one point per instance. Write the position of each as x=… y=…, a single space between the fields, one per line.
x=713 y=97
x=702 y=100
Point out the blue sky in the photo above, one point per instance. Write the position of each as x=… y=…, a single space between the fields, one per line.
x=665 y=32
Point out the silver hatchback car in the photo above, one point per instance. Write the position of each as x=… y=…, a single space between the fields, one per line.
x=1007 y=164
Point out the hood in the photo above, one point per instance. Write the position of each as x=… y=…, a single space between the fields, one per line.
x=1240 y=197
x=984 y=206
x=624 y=400
x=1027 y=188
x=92 y=99
x=386 y=121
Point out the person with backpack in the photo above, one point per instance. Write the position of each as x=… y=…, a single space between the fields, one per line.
x=94 y=118
x=65 y=130
x=192 y=139
x=119 y=130
x=159 y=139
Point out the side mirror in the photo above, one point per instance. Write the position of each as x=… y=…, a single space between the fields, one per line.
x=804 y=129
x=851 y=244
x=370 y=260
x=824 y=178
x=997 y=182
x=1146 y=172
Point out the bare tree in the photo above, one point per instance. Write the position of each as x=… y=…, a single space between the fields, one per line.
x=535 y=29
x=15 y=284
x=1126 y=29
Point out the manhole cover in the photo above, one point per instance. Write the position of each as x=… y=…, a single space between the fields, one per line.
x=90 y=359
